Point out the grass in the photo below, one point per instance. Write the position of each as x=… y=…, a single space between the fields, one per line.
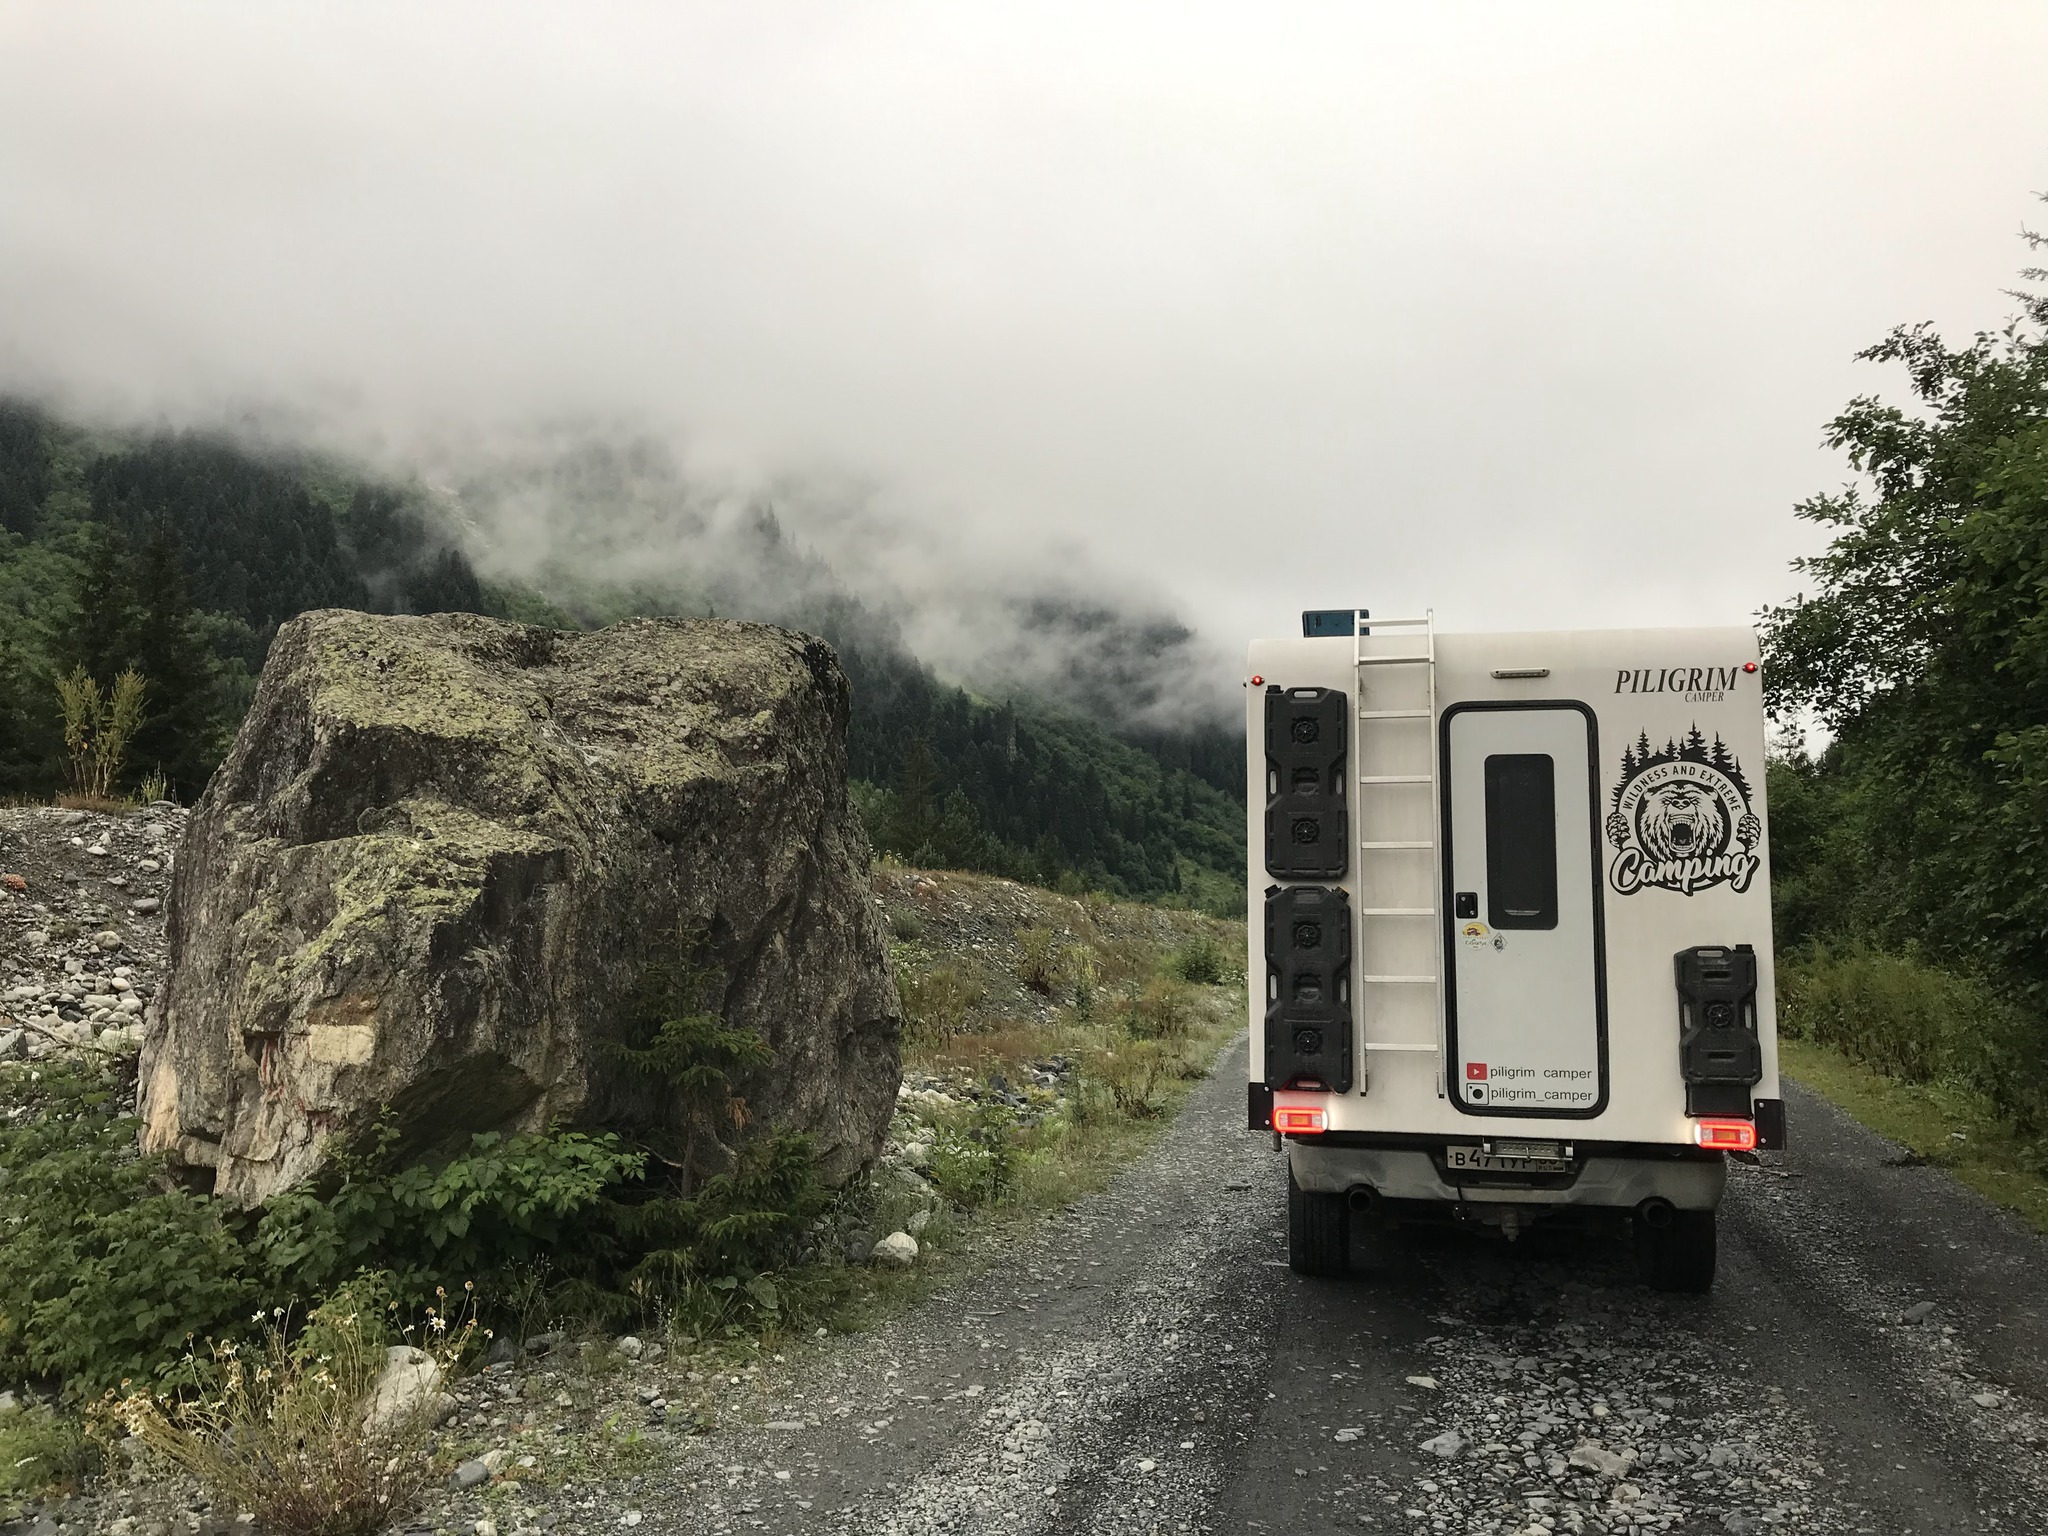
x=1079 y=1160
x=105 y=806
x=1949 y=1127
x=1063 y=1159
x=298 y=1430
x=40 y=1452
x=100 y=803
x=1075 y=1152
x=1001 y=977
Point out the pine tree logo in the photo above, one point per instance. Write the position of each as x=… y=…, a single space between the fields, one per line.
x=1681 y=819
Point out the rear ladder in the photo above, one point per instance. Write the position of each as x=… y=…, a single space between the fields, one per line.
x=1400 y=946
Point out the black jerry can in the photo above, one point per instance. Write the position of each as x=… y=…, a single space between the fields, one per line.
x=1719 y=1053
x=1308 y=988
x=1306 y=736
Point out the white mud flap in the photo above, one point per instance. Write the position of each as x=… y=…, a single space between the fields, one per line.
x=1525 y=1008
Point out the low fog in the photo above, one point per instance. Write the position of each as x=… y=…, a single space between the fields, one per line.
x=570 y=507
x=1193 y=313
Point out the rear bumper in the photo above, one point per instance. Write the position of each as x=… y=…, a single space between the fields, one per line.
x=1689 y=1183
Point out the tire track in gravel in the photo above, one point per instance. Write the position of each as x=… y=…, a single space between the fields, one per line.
x=1147 y=1364
x=1092 y=1372
x=1851 y=1237
x=1577 y=1401
x=1792 y=1399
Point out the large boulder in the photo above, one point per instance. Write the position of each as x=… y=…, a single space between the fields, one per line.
x=449 y=862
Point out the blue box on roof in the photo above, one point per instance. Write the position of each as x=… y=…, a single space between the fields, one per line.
x=1321 y=623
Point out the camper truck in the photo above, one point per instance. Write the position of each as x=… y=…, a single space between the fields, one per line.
x=1512 y=892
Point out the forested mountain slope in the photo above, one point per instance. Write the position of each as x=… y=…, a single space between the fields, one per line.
x=180 y=554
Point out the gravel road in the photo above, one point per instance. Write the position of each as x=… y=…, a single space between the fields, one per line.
x=1874 y=1358
x=1149 y=1364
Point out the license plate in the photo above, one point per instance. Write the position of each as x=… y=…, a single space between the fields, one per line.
x=1511 y=1157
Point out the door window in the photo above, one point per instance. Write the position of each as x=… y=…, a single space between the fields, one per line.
x=1521 y=840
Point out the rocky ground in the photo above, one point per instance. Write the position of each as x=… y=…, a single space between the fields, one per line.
x=569 y=1434
x=1874 y=1360
x=81 y=926
x=1149 y=1364
x=970 y=923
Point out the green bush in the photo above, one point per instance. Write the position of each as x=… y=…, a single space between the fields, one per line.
x=1041 y=960
x=1913 y=1020
x=108 y=1270
x=1200 y=962
x=2012 y=1071
x=1136 y=1075
x=699 y=1234
x=905 y=924
x=1089 y=1099
x=1895 y=1013
x=617 y=1240
x=40 y=1450
x=698 y=1250
x=975 y=1164
x=1163 y=1010
x=1081 y=974
x=489 y=1213
x=105 y=1271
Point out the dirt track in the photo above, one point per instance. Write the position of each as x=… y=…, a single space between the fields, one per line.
x=1150 y=1364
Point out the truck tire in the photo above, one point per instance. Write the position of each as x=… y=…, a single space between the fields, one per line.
x=1678 y=1257
x=1318 y=1232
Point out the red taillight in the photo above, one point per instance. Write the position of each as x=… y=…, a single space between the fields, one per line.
x=1256 y=679
x=1300 y=1119
x=1749 y=666
x=1725 y=1135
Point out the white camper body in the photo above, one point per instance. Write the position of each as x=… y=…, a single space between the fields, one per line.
x=1512 y=893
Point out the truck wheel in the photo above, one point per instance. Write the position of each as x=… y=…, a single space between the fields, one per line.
x=1680 y=1256
x=1318 y=1231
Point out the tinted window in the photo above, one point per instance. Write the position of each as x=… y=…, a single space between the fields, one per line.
x=1521 y=840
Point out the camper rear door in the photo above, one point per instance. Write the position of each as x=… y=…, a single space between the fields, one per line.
x=1525 y=1001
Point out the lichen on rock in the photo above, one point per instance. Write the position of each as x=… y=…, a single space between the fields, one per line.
x=445 y=854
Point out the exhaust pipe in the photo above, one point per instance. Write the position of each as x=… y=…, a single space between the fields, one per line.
x=1364 y=1200
x=1656 y=1212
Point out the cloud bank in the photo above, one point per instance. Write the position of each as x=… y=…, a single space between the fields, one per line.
x=1532 y=314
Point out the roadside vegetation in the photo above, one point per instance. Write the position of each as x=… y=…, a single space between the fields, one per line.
x=1940 y=1124
x=1910 y=857
x=1049 y=1039
x=1098 y=1016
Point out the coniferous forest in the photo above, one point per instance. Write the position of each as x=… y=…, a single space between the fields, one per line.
x=178 y=555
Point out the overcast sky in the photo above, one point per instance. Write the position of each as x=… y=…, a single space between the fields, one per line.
x=1532 y=313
